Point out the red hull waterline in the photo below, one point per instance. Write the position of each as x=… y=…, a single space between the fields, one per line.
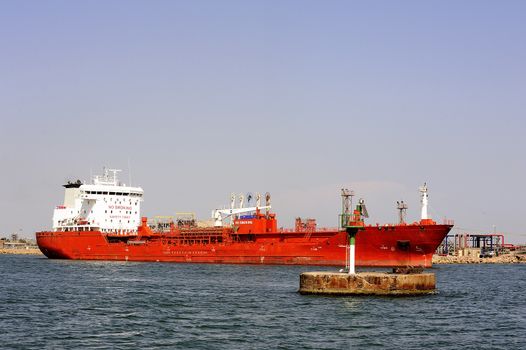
x=382 y=246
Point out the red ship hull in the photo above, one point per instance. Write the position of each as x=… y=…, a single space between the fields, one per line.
x=384 y=246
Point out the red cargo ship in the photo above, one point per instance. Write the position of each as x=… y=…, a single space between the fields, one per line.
x=101 y=221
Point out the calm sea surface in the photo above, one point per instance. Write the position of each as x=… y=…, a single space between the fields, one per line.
x=78 y=304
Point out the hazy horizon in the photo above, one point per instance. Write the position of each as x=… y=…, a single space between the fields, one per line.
x=297 y=98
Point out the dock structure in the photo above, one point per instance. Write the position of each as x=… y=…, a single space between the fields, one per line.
x=462 y=244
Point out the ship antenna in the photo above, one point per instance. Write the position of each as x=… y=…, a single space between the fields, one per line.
x=402 y=207
x=363 y=208
x=267 y=203
x=423 y=190
x=346 y=206
x=232 y=206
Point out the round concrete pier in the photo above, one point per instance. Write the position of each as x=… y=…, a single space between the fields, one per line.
x=367 y=283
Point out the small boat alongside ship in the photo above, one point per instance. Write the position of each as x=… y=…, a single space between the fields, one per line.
x=102 y=221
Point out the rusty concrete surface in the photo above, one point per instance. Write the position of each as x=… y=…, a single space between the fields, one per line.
x=367 y=283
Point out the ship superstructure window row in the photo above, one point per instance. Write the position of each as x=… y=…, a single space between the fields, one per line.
x=131 y=194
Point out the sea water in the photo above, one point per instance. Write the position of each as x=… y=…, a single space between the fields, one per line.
x=64 y=304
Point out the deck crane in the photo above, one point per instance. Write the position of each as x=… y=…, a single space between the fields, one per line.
x=220 y=214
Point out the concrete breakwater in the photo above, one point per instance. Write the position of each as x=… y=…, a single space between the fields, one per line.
x=501 y=259
x=366 y=283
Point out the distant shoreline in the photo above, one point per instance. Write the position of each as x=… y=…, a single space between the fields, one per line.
x=501 y=259
x=30 y=251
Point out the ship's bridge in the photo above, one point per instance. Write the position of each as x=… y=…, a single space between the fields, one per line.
x=106 y=204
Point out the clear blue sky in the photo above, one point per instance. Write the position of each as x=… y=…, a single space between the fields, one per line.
x=299 y=98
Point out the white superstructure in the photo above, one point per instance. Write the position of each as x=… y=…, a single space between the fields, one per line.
x=106 y=205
